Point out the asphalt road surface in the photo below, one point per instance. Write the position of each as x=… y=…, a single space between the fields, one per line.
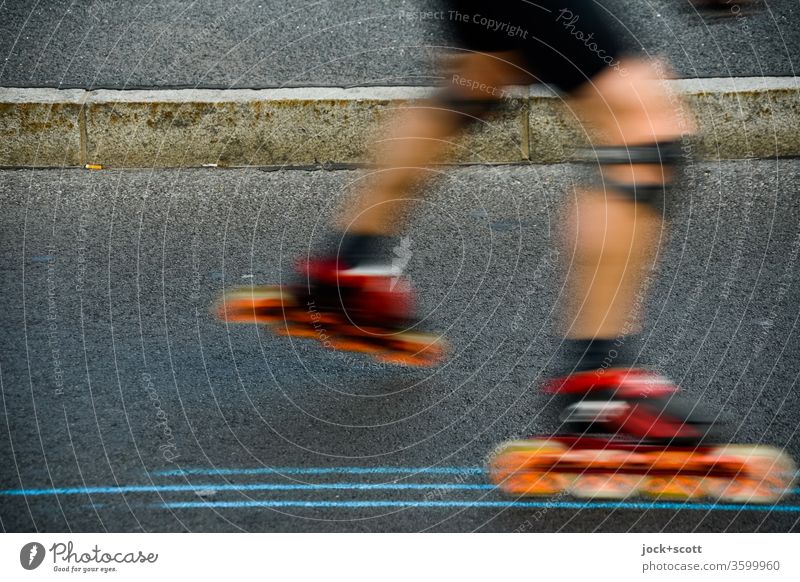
x=127 y=407
x=274 y=43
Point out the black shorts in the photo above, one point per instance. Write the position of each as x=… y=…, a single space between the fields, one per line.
x=562 y=42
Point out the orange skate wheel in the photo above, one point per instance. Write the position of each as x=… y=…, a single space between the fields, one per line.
x=259 y=297
x=298 y=331
x=743 y=490
x=533 y=483
x=252 y=304
x=525 y=456
x=248 y=315
x=674 y=486
x=238 y=316
x=605 y=486
x=270 y=319
x=765 y=474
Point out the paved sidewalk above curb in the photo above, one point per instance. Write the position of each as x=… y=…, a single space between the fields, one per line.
x=738 y=117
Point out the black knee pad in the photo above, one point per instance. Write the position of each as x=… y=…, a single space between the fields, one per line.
x=667 y=154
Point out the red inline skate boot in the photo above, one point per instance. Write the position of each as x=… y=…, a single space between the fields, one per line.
x=630 y=432
x=367 y=310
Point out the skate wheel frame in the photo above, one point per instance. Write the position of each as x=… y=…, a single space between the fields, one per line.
x=767 y=474
x=732 y=473
x=278 y=309
x=254 y=305
x=520 y=468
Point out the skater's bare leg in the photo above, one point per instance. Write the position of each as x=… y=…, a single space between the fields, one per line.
x=612 y=238
x=419 y=136
x=610 y=243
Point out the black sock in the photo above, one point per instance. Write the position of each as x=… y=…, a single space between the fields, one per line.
x=359 y=249
x=584 y=355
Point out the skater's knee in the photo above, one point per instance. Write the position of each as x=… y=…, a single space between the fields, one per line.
x=638 y=107
x=640 y=173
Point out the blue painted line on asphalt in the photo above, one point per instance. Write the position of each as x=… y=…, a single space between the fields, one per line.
x=215 y=487
x=243 y=487
x=322 y=471
x=116 y=490
x=483 y=504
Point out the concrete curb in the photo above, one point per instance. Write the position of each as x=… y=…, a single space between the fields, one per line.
x=739 y=117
